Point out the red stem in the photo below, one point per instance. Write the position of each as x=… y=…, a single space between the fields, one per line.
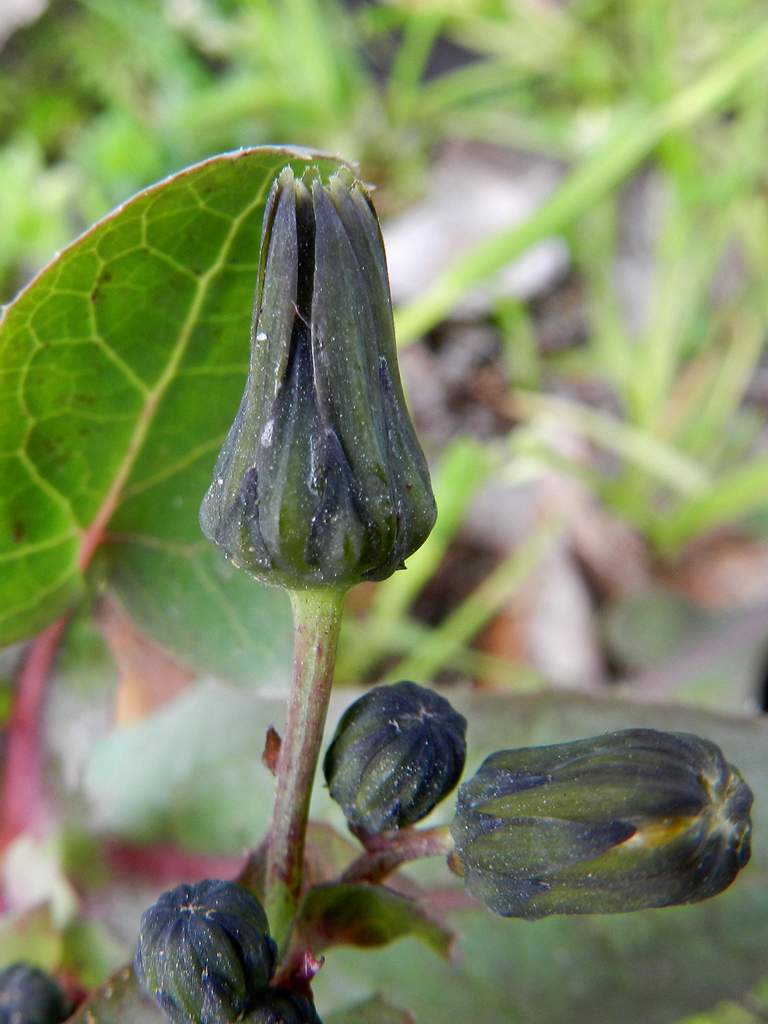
x=385 y=856
x=23 y=800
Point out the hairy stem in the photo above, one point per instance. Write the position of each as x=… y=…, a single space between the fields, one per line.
x=382 y=858
x=317 y=618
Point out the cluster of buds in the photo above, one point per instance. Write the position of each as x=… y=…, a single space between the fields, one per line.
x=624 y=821
x=321 y=483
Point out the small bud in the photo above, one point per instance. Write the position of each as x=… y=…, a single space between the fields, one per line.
x=30 y=996
x=204 y=952
x=397 y=752
x=279 y=1006
x=618 y=822
x=321 y=480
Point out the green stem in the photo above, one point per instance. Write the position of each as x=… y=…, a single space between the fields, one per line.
x=317 y=618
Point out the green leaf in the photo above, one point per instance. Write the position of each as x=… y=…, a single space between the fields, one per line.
x=118 y=1001
x=359 y=914
x=371 y=1011
x=751 y=1009
x=89 y=952
x=648 y=627
x=724 y=1013
x=205 y=746
x=32 y=936
x=122 y=366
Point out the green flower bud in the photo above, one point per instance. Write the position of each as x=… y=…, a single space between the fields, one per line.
x=30 y=996
x=321 y=480
x=397 y=752
x=618 y=822
x=279 y=1006
x=204 y=952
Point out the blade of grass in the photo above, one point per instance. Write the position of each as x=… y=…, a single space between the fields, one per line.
x=596 y=240
x=626 y=147
x=732 y=497
x=519 y=349
x=456 y=632
x=464 y=467
x=709 y=393
x=419 y=34
x=407 y=636
x=658 y=458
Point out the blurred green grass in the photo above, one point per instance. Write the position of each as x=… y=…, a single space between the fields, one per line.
x=100 y=97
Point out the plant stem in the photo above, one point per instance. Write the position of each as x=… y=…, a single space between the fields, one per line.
x=317 y=618
x=383 y=858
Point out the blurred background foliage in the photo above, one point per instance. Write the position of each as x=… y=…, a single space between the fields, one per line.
x=619 y=385
x=575 y=201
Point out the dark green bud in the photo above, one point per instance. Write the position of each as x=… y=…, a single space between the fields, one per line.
x=619 y=822
x=30 y=996
x=397 y=752
x=204 y=952
x=279 y=1006
x=321 y=480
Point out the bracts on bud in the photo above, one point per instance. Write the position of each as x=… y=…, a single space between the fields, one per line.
x=204 y=952
x=321 y=481
x=397 y=752
x=618 y=822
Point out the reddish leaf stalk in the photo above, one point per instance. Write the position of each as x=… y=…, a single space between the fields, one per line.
x=164 y=864
x=317 y=618
x=388 y=854
x=23 y=802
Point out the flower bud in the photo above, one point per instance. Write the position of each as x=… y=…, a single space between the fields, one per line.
x=397 y=752
x=204 y=952
x=279 y=1006
x=30 y=996
x=618 y=822
x=321 y=480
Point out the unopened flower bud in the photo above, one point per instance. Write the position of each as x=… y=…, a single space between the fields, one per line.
x=30 y=996
x=279 y=1006
x=321 y=480
x=397 y=752
x=204 y=952
x=618 y=822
